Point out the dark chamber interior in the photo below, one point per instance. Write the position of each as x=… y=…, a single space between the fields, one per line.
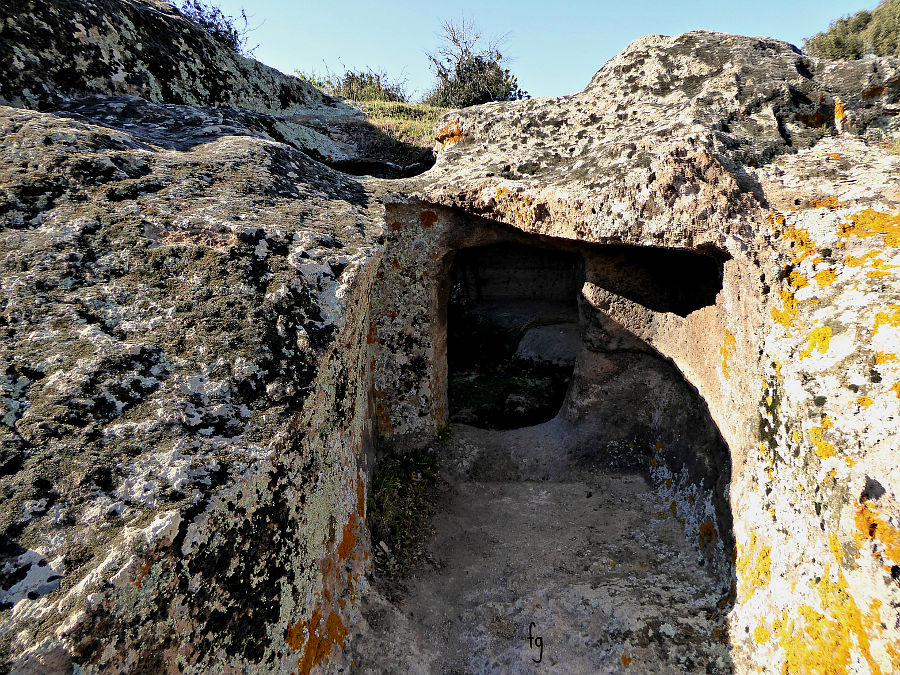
x=512 y=334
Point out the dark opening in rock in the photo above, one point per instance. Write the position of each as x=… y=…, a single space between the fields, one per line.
x=512 y=334
x=382 y=168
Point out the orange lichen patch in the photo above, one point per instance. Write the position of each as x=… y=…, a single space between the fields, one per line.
x=295 y=637
x=870 y=527
x=396 y=226
x=840 y=112
x=824 y=449
x=864 y=401
x=896 y=389
x=754 y=566
x=877 y=273
x=825 y=277
x=145 y=570
x=802 y=244
x=761 y=634
x=348 y=540
x=521 y=206
x=729 y=346
x=450 y=134
x=708 y=533
x=787 y=316
x=870 y=223
x=834 y=155
x=321 y=640
x=428 y=219
x=775 y=218
x=826 y=202
x=797 y=280
x=626 y=660
x=819 y=339
x=888 y=318
x=884 y=357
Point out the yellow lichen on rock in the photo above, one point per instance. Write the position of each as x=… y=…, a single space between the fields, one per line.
x=754 y=566
x=824 y=449
x=801 y=243
x=889 y=318
x=797 y=280
x=520 y=206
x=826 y=202
x=787 y=316
x=819 y=339
x=825 y=277
x=871 y=528
x=827 y=640
x=870 y=223
x=449 y=134
x=727 y=350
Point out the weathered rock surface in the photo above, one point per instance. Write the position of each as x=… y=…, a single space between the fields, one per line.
x=204 y=326
x=770 y=166
x=184 y=377
x=53 y=52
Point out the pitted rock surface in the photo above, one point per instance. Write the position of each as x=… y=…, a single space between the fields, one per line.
x=176 y=285
x=777 y=167
x=655 y=150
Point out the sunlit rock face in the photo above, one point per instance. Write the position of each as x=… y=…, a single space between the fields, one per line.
x=204 y=327
x=184 y=373
x=777 y=167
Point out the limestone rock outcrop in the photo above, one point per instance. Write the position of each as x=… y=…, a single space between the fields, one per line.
x=184 y=378
x=774 y=167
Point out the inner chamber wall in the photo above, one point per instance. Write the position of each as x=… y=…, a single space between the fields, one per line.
x=629 y=406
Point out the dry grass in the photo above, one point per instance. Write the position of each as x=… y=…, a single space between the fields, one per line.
x=410 y=123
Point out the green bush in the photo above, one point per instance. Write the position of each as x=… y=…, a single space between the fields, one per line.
x=467 y=76
x=852 y=37
x=218 y=24
x=358 y=85
x=474 y=80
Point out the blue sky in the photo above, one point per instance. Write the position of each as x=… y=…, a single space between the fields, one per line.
x=555 y=45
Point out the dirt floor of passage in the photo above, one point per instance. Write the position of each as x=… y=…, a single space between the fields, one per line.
x=590 y=574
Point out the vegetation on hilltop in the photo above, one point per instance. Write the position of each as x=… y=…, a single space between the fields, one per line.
x=852 y=37
x=468 y=75
x=224 y=28
x=410 y=123
x=358 y=85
